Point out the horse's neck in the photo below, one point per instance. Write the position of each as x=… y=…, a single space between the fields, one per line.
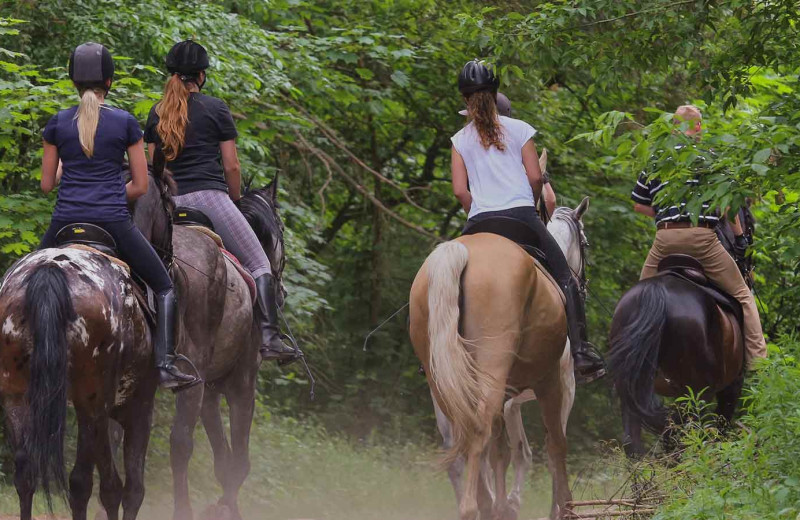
x=563 y=234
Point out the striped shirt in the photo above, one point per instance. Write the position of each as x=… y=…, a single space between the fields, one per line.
x=648 y=187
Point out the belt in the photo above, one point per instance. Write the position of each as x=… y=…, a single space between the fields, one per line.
x=684 y=225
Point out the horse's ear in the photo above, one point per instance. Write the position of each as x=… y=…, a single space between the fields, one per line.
x=581 y=209
x=273 y=188
x=543 y=161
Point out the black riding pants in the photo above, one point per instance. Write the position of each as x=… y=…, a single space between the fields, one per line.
x=132 y=246
x=556 y=260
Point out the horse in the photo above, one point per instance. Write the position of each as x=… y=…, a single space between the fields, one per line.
x=490 y=331
x=669 y=336
x=218 y=333
x=72 y=329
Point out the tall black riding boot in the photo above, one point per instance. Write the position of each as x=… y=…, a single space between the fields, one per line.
x=272 y=346
x=164 y=345
x=589 y=364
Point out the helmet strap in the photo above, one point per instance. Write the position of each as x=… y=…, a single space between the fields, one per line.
x=192 y=79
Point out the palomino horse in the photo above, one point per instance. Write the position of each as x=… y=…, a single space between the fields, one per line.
x=72 y=329
x=218 y=333
x=488 y=326
x=668 y=335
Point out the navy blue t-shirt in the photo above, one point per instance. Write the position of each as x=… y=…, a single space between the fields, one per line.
x=92 y=189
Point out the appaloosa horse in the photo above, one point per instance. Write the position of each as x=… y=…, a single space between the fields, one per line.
x=73 y=329
x=218 y=334
x=490 y=327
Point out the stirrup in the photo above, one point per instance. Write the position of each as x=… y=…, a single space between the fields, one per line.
x=187 y=384
x=582 y=379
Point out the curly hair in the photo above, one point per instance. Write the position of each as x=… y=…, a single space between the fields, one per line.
x=482 y=110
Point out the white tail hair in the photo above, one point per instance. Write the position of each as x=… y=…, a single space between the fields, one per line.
x=88 y=116
x=459 y=380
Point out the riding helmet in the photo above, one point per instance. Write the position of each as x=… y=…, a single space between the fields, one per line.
x=90 y=63
x=187 y=57
x=477 y=77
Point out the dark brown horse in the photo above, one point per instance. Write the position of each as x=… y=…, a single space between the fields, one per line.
x=667 y=336
x=72 y=329
x=218 y=333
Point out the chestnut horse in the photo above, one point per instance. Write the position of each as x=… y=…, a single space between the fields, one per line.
x=217 y=332
x=72 y=329
x=490 y=327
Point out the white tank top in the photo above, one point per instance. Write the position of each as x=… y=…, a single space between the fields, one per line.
x=497 y=180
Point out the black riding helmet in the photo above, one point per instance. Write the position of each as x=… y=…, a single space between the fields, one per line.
x=187 y=58
x=91 y=63
x=477 y=77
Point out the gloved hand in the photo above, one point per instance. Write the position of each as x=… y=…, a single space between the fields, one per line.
x=740 y=245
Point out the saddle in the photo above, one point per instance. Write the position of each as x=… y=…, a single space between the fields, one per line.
x=93 y=238
x=89 y=235
x=690 y=269
x=199 y=221
x=512 y=229
x=521 y=234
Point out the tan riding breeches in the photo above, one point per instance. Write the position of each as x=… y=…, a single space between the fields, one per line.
x=703 y=244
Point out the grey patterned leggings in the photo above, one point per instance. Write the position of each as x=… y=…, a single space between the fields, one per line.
x=230 y=224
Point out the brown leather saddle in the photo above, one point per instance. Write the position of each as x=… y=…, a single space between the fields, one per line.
x=690 y=269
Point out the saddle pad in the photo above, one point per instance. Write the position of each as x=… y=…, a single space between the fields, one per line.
x=547 y=275
x=212 y=235
x=248 y=278
x=90 y=249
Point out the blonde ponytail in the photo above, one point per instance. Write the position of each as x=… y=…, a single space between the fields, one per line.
x=173 y=115
x=88 y=116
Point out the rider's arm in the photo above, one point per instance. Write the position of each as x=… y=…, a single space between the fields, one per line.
x=549 y=198
x=644 y=209
x=49 y=167
x=137 y=161
x=530 y=160
x=232 y=168
x=460 y=184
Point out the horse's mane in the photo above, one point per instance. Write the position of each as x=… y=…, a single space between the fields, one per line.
x=266 y=228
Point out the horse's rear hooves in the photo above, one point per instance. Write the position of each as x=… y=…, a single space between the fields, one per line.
x=216 y=512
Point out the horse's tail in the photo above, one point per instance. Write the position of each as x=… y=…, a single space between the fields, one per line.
x=457 y=376
x=48 y=312
x=634 y=347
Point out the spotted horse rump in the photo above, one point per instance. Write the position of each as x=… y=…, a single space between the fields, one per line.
x=72 y=329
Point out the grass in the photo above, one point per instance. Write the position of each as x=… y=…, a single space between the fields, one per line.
x=301 y=472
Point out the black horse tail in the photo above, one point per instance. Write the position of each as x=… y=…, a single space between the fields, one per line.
x=48 y=312
x=634 y=347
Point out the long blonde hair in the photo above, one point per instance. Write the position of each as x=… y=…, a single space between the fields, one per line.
x=88 y=116
x=173 y=114
x=482 y=109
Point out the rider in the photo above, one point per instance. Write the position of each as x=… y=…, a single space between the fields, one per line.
x=91 y=140
x=198 y=138
x=496 y=155
x=677 y=234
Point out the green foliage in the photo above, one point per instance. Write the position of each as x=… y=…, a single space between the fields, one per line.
x=754 y=470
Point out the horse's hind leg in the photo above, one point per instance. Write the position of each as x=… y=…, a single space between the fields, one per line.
x=240 y=395
x=728 y=399
x=110 y=483
x=215 y=430
x=137 y=427
x=500 y=457
x=16 y=420
x=82 y=475
x=521 y=454
x=455 y=469
x=181 y=439
x=632 y=439
x=551 y=398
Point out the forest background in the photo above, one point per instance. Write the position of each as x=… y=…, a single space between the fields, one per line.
x=352 y=104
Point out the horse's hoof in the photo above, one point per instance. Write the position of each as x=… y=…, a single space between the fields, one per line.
x=101 y=514
x=216 y=512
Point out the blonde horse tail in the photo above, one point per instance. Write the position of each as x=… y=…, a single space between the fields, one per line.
x=458 y=379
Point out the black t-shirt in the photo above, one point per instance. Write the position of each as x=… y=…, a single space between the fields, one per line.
x=199 y=164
